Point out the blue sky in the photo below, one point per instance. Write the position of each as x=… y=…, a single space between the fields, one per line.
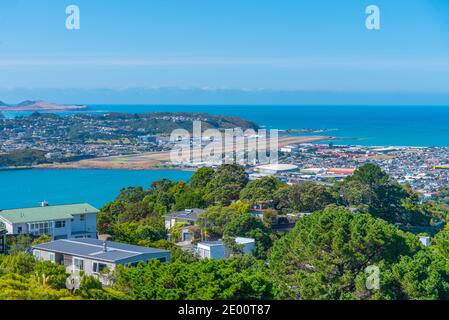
x=234 y=44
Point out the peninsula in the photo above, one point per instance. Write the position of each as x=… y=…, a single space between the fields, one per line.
x=29 y=105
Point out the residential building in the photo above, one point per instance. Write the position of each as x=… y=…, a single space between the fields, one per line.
x=189 y=216
x=95 y=257
x=425 y=241
x=211 y=250
x=218 y=250
x=59 y=222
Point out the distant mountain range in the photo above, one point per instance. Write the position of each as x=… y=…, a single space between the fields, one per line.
x=217 y=96
x=29 y=105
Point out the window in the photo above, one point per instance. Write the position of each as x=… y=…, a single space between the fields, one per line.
x=60 y=224
x=162 y=259
x=82 y=217
x=78 y=264
x=37 y=254
x=19 y=230
x=51 y=257
x=98 y=267
x=37 y=229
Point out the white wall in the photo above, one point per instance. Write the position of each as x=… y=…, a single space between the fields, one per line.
x=89 y=225
x=212 y=252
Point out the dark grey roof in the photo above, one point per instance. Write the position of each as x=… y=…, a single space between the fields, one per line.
x=93 y=249
x=188 y=214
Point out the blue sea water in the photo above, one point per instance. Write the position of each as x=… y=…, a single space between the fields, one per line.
x=27 y=188
x=362 y=125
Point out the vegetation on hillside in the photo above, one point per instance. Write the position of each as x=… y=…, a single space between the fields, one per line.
x=351 y=228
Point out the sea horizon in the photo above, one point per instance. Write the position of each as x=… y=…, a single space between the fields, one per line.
x=366 y=125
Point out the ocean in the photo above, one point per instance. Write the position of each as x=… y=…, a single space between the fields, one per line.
x=361 y=125
x=27 y=188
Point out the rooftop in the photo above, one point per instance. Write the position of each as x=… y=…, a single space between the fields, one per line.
x=46 y=213
x=241 y=240
x=211 y=243
x=188 y=214
x=277 y=167
x=94 y=249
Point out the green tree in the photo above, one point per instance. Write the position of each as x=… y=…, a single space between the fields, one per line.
x=132 y=194
x=440 y=244
x=201 y=178
x=108 y=215
x=176 y=232
x=50 y=274
x=18 y=244
x=189 y=198
x=238 y=278
x=16 y=287
x=423 y=276
x=269 y=217
x=213 y=220
x=226 y=184
x=310 y=197
x=245 y=225
x=372 y=191
x=261 y=189
x=134 y=232
x=20 y=263
x=241 y=206
x=41 y=239
x=325 y=255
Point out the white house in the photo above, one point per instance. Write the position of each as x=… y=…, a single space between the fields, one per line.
x=425 y=240
x=59 y=222
x=218 y=250
x=94 y=257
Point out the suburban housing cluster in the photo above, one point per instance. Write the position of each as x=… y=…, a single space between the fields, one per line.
x=216 y=249
x=76 y=246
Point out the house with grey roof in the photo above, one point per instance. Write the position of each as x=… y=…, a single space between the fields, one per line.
x=189 y=216
x=95 y=257
x=59 y=222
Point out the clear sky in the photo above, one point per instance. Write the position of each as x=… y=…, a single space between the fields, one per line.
x=319 y=45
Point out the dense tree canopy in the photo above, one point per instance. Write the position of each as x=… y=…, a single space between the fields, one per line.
x=239 y=278
x=261 y=189
x=424 y=276
x=245 y=225
x=226 y=184
x=214 y=220
x=325 y=255
x=307 y=197
x=201 y=178
x=372 y=191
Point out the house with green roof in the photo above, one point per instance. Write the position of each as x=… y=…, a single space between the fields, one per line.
x=59 y=222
